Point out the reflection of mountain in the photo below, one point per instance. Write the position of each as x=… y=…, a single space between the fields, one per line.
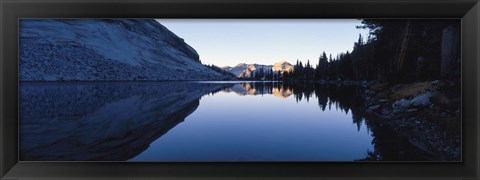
x=282 y=93
x=98 y=121
x=253 y=89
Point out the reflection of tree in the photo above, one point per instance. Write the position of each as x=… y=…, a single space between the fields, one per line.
x=345 y=98
x=388 y=144
x=372 y=156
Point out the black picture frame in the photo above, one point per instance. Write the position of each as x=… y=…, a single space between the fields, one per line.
x=12 y=10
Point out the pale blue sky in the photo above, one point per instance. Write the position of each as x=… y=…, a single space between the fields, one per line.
x=265 y=41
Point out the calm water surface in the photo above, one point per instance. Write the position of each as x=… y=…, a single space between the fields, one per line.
x=201 y=121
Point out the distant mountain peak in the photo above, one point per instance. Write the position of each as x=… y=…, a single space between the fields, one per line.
x=246 y=70
x=282 y=62
x=240 y=64
x=282 y=66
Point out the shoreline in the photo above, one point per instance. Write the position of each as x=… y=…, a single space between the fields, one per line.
x=422 y=112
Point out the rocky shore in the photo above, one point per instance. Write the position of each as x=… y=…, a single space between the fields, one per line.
x=427 y=113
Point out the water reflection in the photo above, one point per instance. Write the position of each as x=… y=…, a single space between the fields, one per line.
x=101 y=121
x=388 y=145
x=342 y=98
x=130 y=121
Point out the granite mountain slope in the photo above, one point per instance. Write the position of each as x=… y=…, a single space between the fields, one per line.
x=106 y=50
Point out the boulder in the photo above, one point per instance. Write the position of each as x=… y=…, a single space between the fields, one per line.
x=421 y=100
x=373 y=108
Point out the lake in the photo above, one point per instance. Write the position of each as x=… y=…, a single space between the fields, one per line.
x=201 y=121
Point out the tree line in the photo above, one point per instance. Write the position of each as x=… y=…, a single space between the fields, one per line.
x=396 y=50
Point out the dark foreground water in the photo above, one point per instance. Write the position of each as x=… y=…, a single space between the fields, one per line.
x=201 y=121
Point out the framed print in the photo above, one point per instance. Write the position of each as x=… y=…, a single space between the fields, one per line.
x=404 y=107
x=230 y=89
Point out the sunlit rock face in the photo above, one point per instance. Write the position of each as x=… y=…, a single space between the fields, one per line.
x=244 y=70
x=101 y=121
x=282 y=66
x=108 y=50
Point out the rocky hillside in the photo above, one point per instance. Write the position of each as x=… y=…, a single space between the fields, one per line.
x=106 y=50
x=244 y=70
